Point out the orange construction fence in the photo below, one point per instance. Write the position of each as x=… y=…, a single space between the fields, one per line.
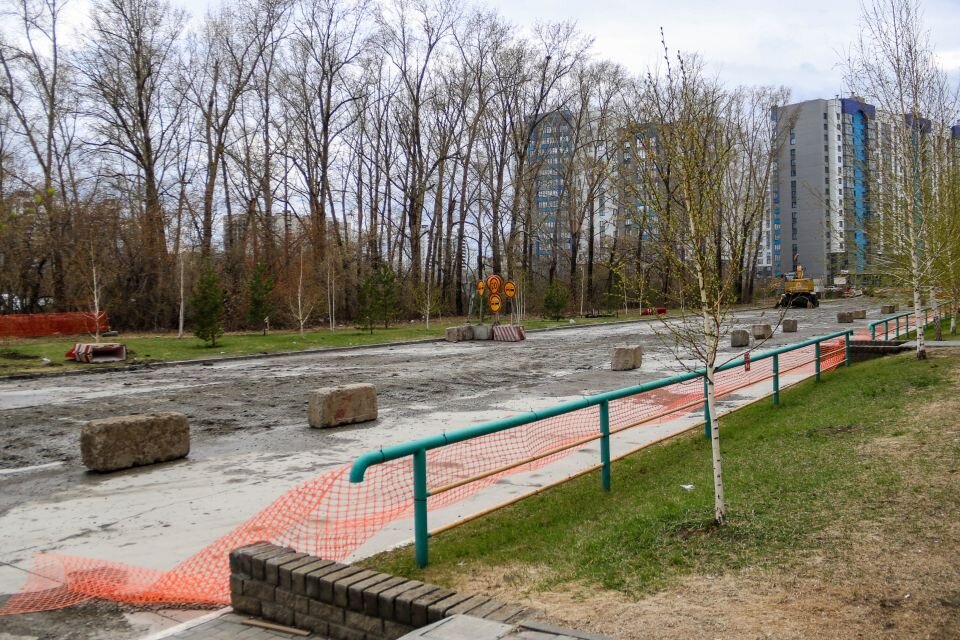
x=38 y=325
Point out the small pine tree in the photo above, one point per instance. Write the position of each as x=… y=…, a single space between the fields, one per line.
x=555 y=301
x=207 y=307
x=378 y=298
x=261 y=287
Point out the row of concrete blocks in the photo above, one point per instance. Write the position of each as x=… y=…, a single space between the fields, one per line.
x=741 y=337
x=344 y=602
x=121 y=442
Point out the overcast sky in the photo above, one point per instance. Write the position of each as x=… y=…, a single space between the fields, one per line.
x=796 y=43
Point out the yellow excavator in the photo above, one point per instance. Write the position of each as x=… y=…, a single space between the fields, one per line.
x=799 y=292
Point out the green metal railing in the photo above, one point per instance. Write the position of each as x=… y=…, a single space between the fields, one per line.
x=417 y=449
x=906 y=315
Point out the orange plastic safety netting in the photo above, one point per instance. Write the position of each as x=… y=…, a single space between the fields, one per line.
x=330 y=517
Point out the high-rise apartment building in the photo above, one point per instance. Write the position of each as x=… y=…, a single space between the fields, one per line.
x=820 y=210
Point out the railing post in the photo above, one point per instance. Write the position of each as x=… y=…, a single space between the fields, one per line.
x=706 y=408
x=846 y=349
x=898 y=327
x=816 y=359
x=420 y=531
x=873 y=332
x=776 y=378
x=886 y=329
x=605 y=445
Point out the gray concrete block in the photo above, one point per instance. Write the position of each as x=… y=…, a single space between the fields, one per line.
x=859 y=314
x=313 y=580
x=371 y=597
x=626 y=358
x=466 y=332
x=438 y=610
x=888 y=308
x=276 y=613
x=271 y=568
x=739 y=338
x=326 y=611
x=285 y=571
x=122 y=442
x=298 y=577
x=761 y=331
x=403 y=605
x=454 y=334
x=394 y=630
x=845 y=317
x=361 y=622
x=356 y=590
x=245 y=604
x=258 y=561
x=259 y=590
x=310 y=623
x=292 y=601
x=326 y=582
x=419 y=607
x=386 y=599
x=342 y=586
x=346 y=404
x=482 y=332
x=789 y=325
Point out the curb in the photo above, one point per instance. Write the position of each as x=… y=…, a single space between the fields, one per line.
x=321 y=350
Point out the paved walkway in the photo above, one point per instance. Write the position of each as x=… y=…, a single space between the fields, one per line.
x=226 y=625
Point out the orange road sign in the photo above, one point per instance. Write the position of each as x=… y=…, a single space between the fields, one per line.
x=509 y=289
x=494 y=283
x=480 y=287
x=495 y=302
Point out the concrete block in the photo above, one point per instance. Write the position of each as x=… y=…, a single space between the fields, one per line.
x=346 y=404
x=888 y=309
x=122 y=442
x=739 y=338
x=789 y=325
x=762 y=331
x=845 y=316
x=859 y=314
x=482 y=332
x=454 y=334
x=467 y=331
x=626 y=358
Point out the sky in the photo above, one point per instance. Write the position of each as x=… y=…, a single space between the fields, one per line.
x=797 y=44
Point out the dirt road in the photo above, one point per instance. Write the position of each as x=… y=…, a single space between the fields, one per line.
x=250 y=440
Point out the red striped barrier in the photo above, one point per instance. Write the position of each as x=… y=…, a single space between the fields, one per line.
x=508 y=333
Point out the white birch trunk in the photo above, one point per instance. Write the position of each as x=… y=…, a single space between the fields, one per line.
x=710 y=332
x=917 y=302
x=180 y=320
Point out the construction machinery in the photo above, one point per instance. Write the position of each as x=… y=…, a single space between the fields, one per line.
x=799 y=292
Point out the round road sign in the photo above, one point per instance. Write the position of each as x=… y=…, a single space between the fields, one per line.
x=480 y=287
x=495 y=302
x=494 y=283
x=509 y=289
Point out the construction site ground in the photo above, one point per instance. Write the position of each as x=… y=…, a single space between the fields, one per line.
x=251 y=442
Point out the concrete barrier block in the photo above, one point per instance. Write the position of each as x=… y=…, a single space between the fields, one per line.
x=467 y=331
x=122 y=442
x=789 y=325
x=482 y=332
x=888 y=309
x=346 y=404
x=845 y=316
x=626 y=358
x=762 y=331
x=859 y=314
x=739 y=338
x=454 y=334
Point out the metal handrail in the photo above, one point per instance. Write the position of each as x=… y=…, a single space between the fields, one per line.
x=417 y=449
x=896 y=320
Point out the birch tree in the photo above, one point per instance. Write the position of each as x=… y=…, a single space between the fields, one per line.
x=893 y=65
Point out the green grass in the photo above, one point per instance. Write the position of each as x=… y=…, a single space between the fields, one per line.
x=19 y=356
x=789 y=473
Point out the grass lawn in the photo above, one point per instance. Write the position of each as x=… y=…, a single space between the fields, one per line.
x=26 y=355
x=848 y=486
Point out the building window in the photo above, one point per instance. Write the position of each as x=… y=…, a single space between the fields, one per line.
x=793 y=136
x=793 y=194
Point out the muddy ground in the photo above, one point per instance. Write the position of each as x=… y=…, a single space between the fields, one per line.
x=250 y=440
